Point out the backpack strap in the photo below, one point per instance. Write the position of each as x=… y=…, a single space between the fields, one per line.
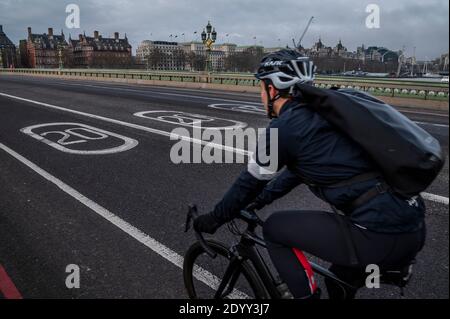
x=345 y=226
x=348 y=182
x=379 y=188
x=356 y=179
x=343 y=218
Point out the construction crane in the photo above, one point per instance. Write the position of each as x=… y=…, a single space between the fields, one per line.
x=299 y=43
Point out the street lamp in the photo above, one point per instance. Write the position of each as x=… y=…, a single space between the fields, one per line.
x=1 y=57
x=60 y=56
x=209 y=37
x=147 y=57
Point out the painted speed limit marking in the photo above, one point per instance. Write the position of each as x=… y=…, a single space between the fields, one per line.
x=191 y=120
x=80 y=139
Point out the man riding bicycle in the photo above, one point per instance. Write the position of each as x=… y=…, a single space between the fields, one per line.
x=374 y=225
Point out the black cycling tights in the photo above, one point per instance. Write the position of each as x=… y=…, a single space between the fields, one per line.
x=321 y=234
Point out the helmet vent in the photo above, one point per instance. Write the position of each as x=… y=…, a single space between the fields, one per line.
x=285 y=79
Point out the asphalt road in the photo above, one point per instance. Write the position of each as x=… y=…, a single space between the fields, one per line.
x=101 y=191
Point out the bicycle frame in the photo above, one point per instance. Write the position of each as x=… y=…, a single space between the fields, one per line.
x=245 y=250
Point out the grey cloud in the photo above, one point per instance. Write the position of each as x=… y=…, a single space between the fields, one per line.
x=413 y=23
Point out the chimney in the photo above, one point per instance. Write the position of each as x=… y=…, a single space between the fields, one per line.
x=96 y=35
x=50 y=32
x=29 y=31
x=80 y=37
x=1 y=28
x=116 y=35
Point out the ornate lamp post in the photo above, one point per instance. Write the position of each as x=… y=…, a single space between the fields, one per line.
x=1 y=57
x=209 y=37
x=60 y=56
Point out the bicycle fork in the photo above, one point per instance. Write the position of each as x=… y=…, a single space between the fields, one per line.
x=230 y=278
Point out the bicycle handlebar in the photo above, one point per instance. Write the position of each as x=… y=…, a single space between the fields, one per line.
x=247 y=215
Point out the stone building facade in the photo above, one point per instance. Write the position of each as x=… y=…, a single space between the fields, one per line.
x=8 y=57
x=100 y=52
x=45 y=51
x=161 y=55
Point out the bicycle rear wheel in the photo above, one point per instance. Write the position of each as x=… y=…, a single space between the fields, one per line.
x=203 y=275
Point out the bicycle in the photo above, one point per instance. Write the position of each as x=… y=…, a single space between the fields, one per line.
x=246 y=273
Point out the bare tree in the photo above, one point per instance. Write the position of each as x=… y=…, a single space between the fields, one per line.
x=179 y=59
x=155 y=58
x=245 y=61
x=196 y=61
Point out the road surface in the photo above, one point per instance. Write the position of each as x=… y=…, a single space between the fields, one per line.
x=101 y=192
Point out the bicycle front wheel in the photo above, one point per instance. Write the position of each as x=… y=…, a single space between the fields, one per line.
x=203 y=275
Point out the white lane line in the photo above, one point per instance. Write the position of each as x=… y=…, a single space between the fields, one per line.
x=161 y=93
x=431 y=124
x=435 y=198
x=213 y=92
x=431 y=197
x=227 y=100
x=423 y=113
x=135 y=126
x=234 y=101
x=200 y=274
x=170 y=89
x=259 y=111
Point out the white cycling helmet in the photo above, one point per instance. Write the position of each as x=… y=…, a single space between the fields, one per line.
x=284 y=69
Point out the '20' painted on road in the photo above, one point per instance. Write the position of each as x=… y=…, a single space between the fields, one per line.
x=191 y=120
x=76 y=138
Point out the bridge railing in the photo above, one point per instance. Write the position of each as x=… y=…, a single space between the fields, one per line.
x=375 y=86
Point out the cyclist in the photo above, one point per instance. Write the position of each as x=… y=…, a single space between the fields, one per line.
x=376 y=226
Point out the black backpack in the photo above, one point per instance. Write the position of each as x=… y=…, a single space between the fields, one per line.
x=408 y=157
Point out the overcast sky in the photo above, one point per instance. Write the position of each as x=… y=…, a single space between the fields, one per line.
x=412 y=23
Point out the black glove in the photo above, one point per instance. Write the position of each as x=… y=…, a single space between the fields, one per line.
x=206 y=224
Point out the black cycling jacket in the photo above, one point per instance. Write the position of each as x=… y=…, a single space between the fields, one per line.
x=309 y=150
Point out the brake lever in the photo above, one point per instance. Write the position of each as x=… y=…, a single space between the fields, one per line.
x=189 y=216
x=211 y=253
x=192 y=214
